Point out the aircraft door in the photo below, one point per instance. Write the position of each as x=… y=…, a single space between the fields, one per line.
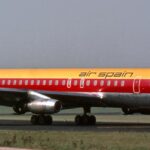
x=69 y=83
x=136 y=85
x=82 y=83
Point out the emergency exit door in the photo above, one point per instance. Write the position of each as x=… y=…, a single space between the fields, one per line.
x=136 y=85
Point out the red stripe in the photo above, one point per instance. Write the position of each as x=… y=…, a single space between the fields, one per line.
x=107 y=87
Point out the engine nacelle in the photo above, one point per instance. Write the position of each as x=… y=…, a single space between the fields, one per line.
x=47 y=106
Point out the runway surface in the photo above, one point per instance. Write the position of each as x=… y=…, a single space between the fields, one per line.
x=106 y=122
x=70 y=126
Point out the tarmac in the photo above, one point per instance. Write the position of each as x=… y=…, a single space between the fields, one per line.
x=106 y=122
x=70 y=126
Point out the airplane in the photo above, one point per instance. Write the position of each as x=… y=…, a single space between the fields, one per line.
x=44 y=92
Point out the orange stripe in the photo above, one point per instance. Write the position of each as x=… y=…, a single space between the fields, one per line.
x=113 y=73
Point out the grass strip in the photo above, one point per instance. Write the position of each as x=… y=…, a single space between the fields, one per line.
x=53 y=140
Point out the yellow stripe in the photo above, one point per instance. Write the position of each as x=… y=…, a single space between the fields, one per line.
x=123 y=73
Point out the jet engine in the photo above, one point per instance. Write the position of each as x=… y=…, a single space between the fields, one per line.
x=41 y=104
x=44 y=106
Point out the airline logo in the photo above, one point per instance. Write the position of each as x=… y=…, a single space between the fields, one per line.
x=106 y=74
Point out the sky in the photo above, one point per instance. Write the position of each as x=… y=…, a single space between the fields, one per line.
x=74 y=33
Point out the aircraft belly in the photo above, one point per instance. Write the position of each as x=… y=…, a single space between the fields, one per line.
x=127 y=100
x=10 y=97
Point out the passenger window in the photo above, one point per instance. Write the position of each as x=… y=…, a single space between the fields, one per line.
x=38 y=82
x=115 y=83
x=63 y=82
x=50 y=82
x=14 y=82
x=56 y=82
x=102 y=83
x=122 y=83
x=44 y=82
x=75 y=83
x=20 y=82
x=95 y=83
x=32 y=82
x=3 y=82
x=26 y=82
x=108 y=83
x=9 y=82
x=88 y=83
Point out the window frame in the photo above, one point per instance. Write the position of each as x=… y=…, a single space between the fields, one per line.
x=63 y=82
x=88 y=82
x=75 y=82
x=108 y=83
x=44 y=82
x=56 y=82
x=14 y=82
x=122 y=83
x=102 y=82
x=50 y=82
x=95 y=82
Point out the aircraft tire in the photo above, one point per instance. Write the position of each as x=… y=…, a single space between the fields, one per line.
x=85 y=120
x=127 y=111
x=19 y=110
x=48 y=120
x=92 y=120
x=78 y=120
x=41 y=120
x=34 y=119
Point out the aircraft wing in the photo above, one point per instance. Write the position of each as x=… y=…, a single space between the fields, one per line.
x=11 y=97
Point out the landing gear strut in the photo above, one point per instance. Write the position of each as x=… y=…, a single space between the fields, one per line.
x=85 y=119
x=41 y=120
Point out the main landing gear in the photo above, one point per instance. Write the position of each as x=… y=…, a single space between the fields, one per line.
x=85 y=119
x=41 y=120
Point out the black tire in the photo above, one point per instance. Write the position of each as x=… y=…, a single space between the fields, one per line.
x=42 y=120
x=78 y=120
x=48 y=120
x=92 y=120
x=127 y=111
x=19 y=110
x=85 y=120
x=34 y=119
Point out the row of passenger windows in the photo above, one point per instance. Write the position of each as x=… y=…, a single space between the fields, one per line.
x=69 y=82
x=103 y=82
